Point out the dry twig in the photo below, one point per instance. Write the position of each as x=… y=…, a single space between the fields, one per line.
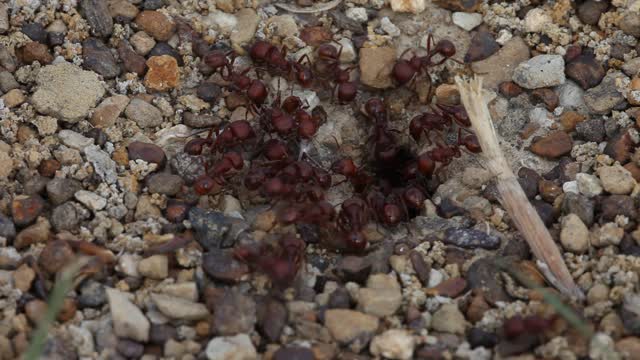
x=512 y=197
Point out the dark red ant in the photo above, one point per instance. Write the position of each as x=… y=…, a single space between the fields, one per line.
x=319 y=212
x=405 y=71
x=233 y=134
x=219 y=60
x=352 y=219
x=280 y=261
x=264 y=53
x=358 y=178
x=386 y=147
x=328 y=66
x=215 y=177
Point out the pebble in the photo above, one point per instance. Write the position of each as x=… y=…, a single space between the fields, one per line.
x=591 y=130
x=358 y=14
x=36 y=233
x=73 y=139
x=34 y=51
x=466 y=21
x=106 y=114
x=96 y=12
x=347 y=325
x=616 y=179
x=547 y=97
x=188 y=167
x=102 y=163
x=130 y=349
x=604 y=97
x=142 y=42
x=128 y=320
x=482 y=46
x=154 y=267
x=579 y=205
x=272 y=318
x=585 y=70
x=7 y=228
x=353 y=269
x=540 y=71
x=389 y=27
x=589 y=12
x=4 y=18
x=233 y=313
x=8 y=81
x=92 y=295
x=143 y=113
x=452 y=288
x=97 y=57
x=238 y=347
x=65 y=217
x=156 y=24
x=589 y=185
x=146 y=209
x=629 y=347
x=130 y=59
x=25 y=209
x=393 y=344
x=91 y=200
x=412 y=6
x=60 y=190
x=483 y=275
x=150 y=153
x=553 y=145
x=499 y=67
x=66 y=91
x=537 y=20
x=471 y=239
x=211 y=228
x=35 y=31
x=449 y=319
x=23 y=277
x=574 y=235
x=164 y=183
x=178 y=308
x=282 y=26
x=630 y=23
x=55 y=256
x=163 y=73
x=293 y=353
x=221 y=266
x=376 y=65
x=381 y=297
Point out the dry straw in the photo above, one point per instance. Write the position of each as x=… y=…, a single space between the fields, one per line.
x=512 y=196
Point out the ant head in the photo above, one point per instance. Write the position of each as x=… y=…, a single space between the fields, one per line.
x=391 y=214
x=291 y=103
x=259 y=50
x=235 y=158
x=414 y=197
x=275 y=150
x=328 y=51
x=241 y=129
x=195 y=146
x=347 y=92
x=304 y=77
x=472 y=144
x=216 y=59
x=426 y=165
x=274 y=187
x=254 y=178
x=355 y=241
x=204 y=185
x=345 y=167
x=307 y=127
x=416 y=127
x=445 y=48
x=257 y=92
x=375 y=107
x=403 y=71
x=283 y=124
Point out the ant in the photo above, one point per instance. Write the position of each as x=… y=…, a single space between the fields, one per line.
x=386 y=146
x=235 y=133
x=280 y=261
x=216 y=177
x=262 y=52
x=405 y=71
x=328 y=65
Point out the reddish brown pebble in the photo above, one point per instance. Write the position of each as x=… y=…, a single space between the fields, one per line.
x=56 y=255
x=459 y=5
x=546 y=96
x=156 y=24
x=482 y=46
x=25 y=209
x=177 y=210
x=315 y=35
x=48 y=167
x=510 y=89
x=529 y=270
x=553 y=146
x=449 y=288
x=130 y=59
x=549 y=190
x=150 y=153
x=570 y=119
x=34 y=51
x=163 y=73
x=585 y=70
x=422 y=269
x=633 y=169
x=68 y=310
x=620 y=147
x=35 y=310
x=477 y=308
x=573 y=52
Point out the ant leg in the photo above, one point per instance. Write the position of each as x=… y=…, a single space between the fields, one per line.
x=304 y=57
x=406 y=51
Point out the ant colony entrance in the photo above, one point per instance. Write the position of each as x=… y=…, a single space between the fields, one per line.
x=268 y=156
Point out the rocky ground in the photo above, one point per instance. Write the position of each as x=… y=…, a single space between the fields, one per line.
x=98 y=99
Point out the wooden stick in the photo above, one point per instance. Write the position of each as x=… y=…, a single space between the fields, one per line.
x=512 y=196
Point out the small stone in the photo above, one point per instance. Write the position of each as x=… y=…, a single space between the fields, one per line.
x=13 y=98
x=358 y=14
x=272 y=317
x=316 y=36
x=570 y=119
x=248 y=22
x=188 y=167
x=4 y=21
x=604 y=97
x=23 y=277
x=585 y=70
x=143 y=113
x=574 y=235
x=66 y=91
x=483 y=275
x=553 y=145
x=34 y=51
x=589 y=11
x=142 y=42
x=154 y=267
x=579 y=205
x=35 y=31
x=540 y=71
x=146 y=209
x=102 y=163
x=450 y=288
x=482 y=46
x=293 y=353
x=130 y=349
x=467 y=21
x=616 y=179
x=546 y=96
x=156 y=24
x=589 y=185
x=178 y=308
x=74 y=140
x=412 y=6
x=629 y=347
x=35 y=310
x=353 y=268
x=238 y=347
x=233 y=313
x=130 y=59
x=97 y=14
x=61 y=190
x=128 y=320
x=499 y=67
x=106 y=114
x=55 y=256
x=471 y=239
x=33 y=234
x=220 y=265
x=7 y=228
x=381 y=297
x=211 y=227
x=91 y=200
x=150 y=153
x=92 y=295
x=591 y=130
x=163 y=73
x=164 y=183
x=376 y=65
x=347 y=325
x=122 y=10
x=8 y=81
x=537 y=20
x=283 y=25
x=25 y=209
x=449 y=319
x=630 y=23
x=65 y=217
x=393 y=344
x=97 y=57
